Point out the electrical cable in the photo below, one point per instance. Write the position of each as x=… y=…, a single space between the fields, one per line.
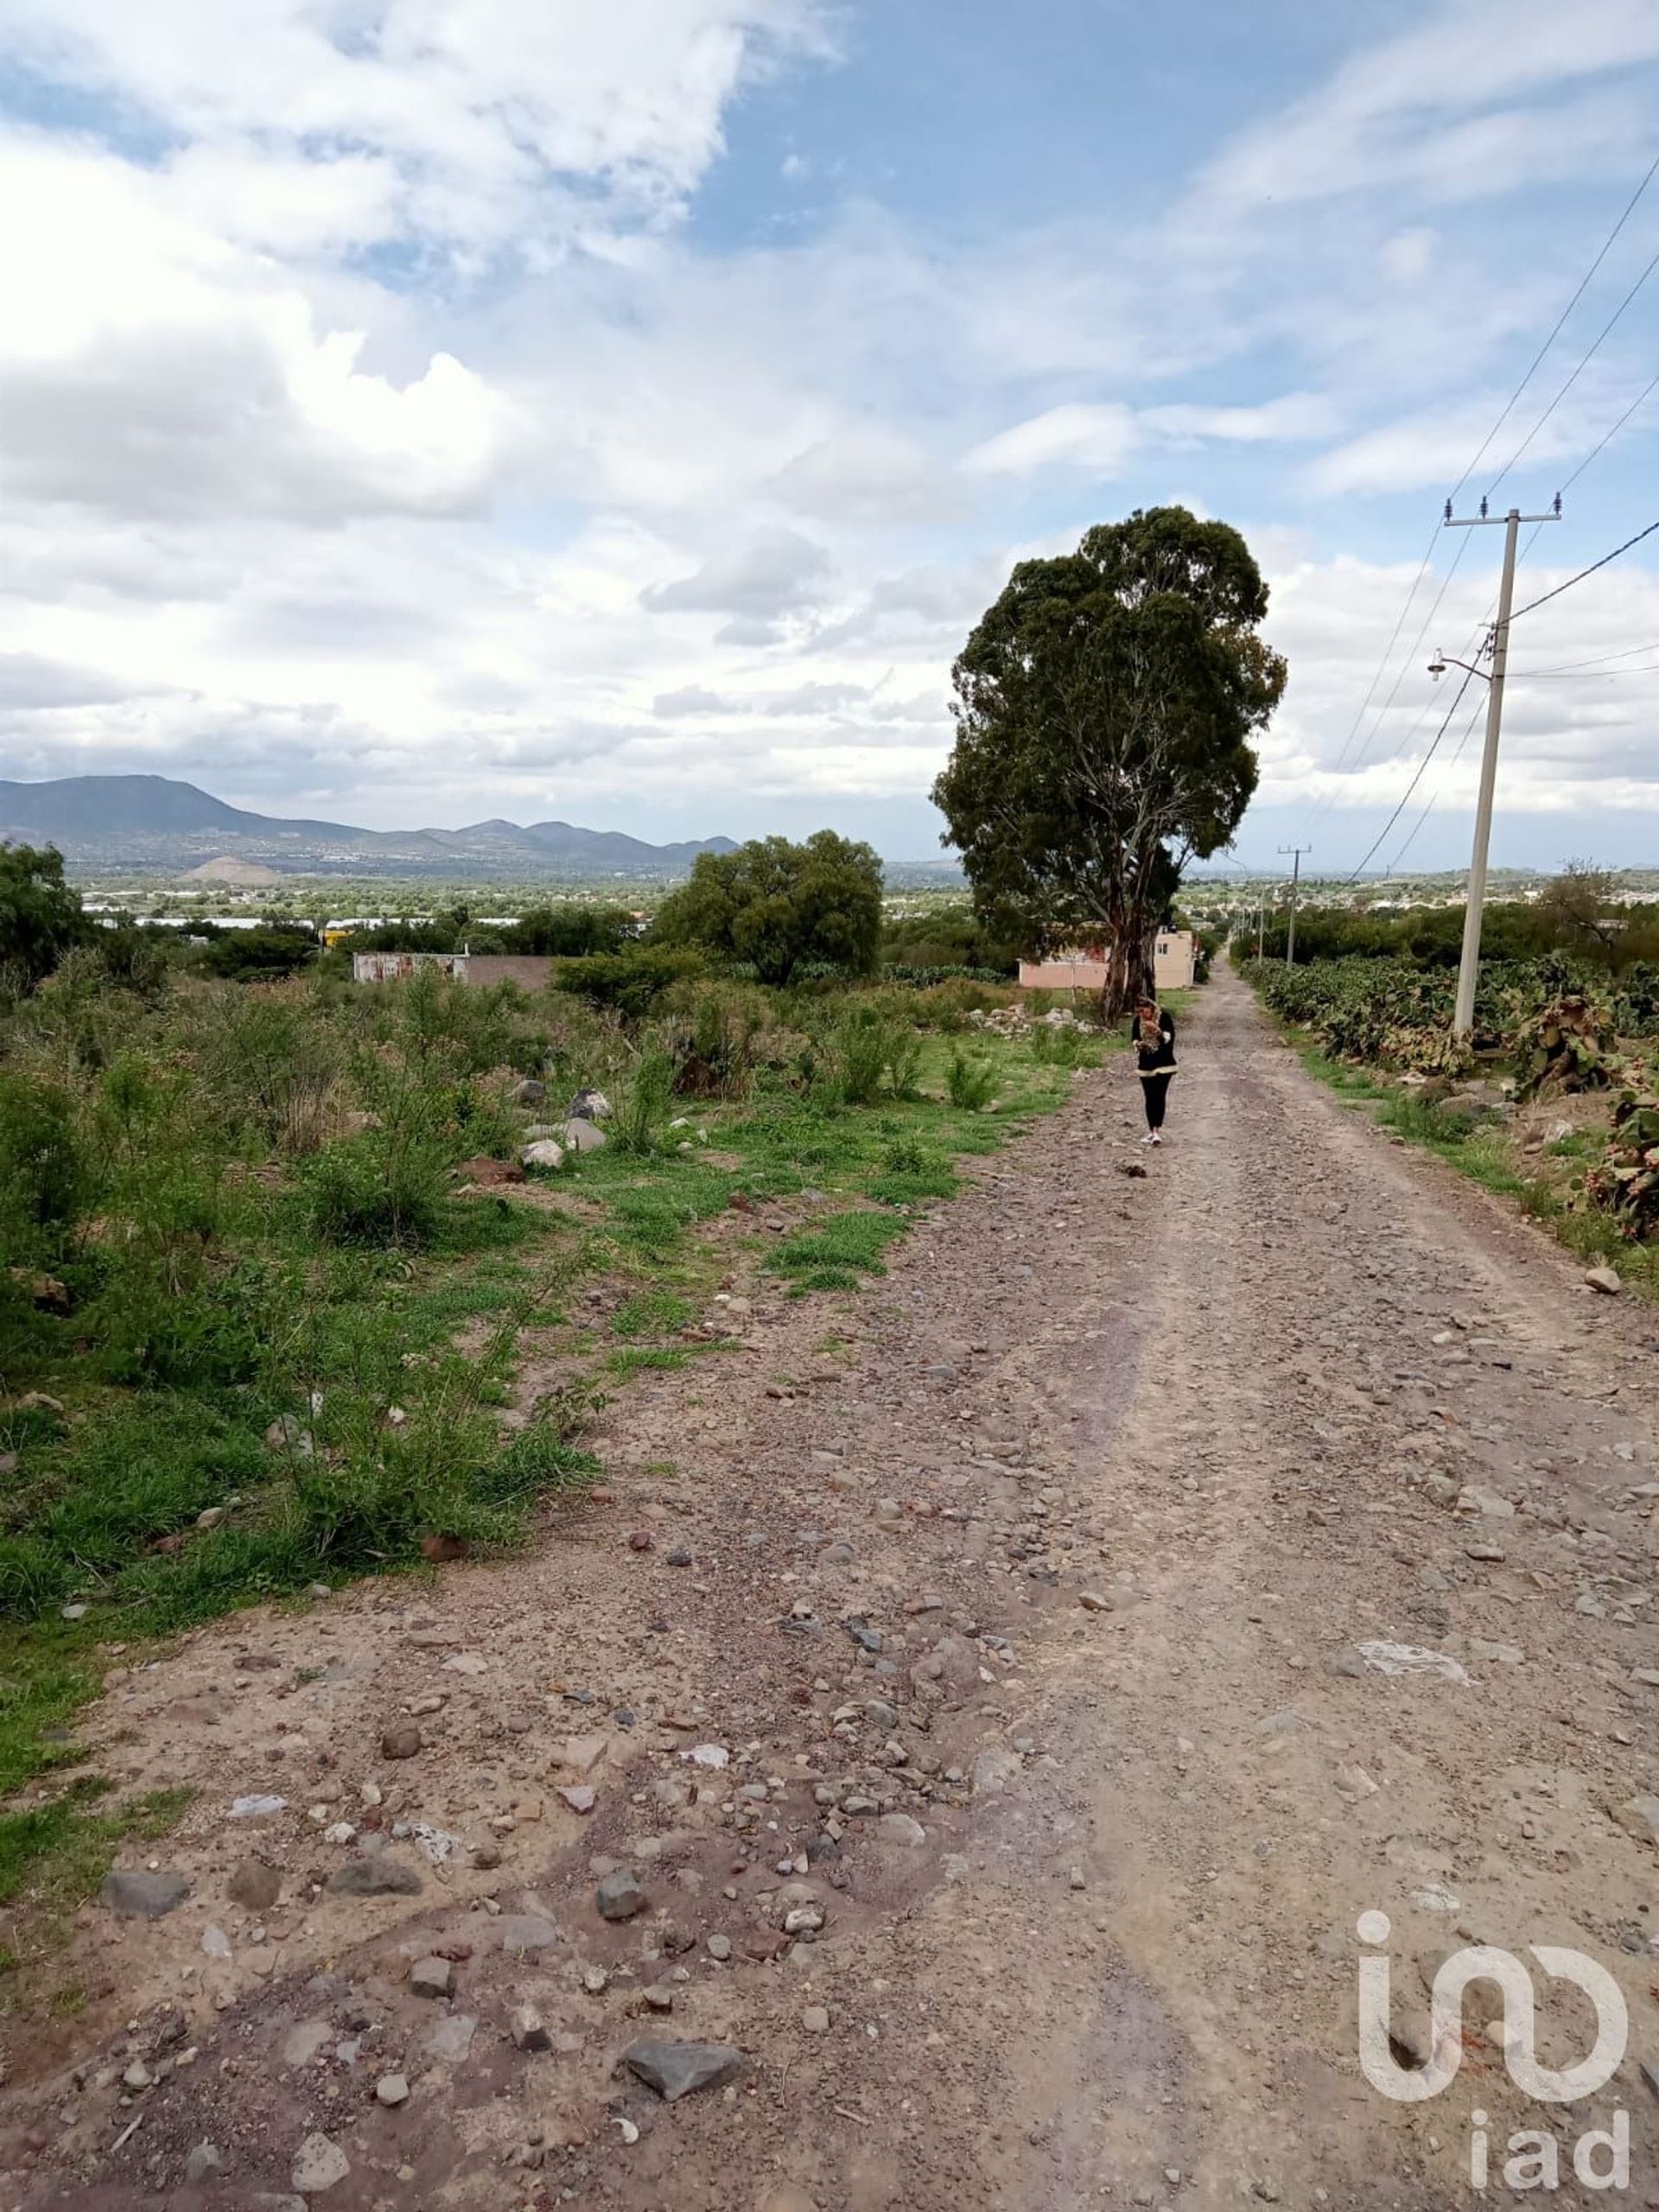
x=1383 y=836
x=1561 y=321
x=1584 y=362
x=1458 y=752
x=1544 y=600
x=1645 y=394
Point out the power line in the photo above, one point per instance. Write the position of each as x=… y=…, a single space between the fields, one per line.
x=1546 y=598
x=1469 y=677
x=1595 y=660
x=1388 y=650
x=1646 y=393
x=1561 y=321
x=1428 y=809
x=1580 y=675
x=1584 y=362
x=1328 y=798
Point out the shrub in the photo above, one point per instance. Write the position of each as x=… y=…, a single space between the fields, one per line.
x=381 y=1187
x=203 y=1333
x=971 y=1083
x=713 y=1048
x=45 y=1177
x=273 y=1062
x=642 y=1106
x=248 y=955
x=631 y=982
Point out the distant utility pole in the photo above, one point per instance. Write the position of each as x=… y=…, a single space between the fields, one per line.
x=1462 y=1019
x=1260 y=919
x=1296 y=852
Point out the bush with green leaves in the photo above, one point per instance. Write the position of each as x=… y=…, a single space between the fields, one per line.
x=46 y=1176
x=41 y=915
x=630 y=983
x=776 y=907
x=971 y=1083
x=381 y=1187
x=642 y=1109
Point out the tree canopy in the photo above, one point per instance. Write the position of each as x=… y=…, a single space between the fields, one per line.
x=1105 y=705
x=777 y=907
x=41 y=915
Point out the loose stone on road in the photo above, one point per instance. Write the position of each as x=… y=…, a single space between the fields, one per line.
x=966 y=1798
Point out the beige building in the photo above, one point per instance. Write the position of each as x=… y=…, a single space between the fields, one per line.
x=1082 y=967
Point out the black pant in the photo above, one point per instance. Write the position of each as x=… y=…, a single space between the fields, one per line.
x=1157 y=1089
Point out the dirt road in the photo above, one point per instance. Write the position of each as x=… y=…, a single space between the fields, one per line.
x=1015 y=1611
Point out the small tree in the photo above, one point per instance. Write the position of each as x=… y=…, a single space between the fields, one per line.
x=1576 y=904
x=777 y=906
x=1104 y=709
x=41 y=915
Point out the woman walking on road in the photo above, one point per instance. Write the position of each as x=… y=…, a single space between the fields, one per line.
x=1154 y=1038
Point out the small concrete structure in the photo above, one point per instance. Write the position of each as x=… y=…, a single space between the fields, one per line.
x=1082 y=967
x=530 y=971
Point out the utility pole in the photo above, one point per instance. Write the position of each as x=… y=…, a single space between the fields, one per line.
x=1462 y=1019
x=1296 y=852
x=1260 y=919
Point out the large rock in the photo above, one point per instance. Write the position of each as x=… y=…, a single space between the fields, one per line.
x=995 y=1767
x=675 y=2069
x=525 y=1931
x=619 y=1896
x=581 y=1136
x=899 y=1828
x=1606 y=1280
x=144 y=1896
x=320 y=2165
x=529 y=1092
x=590 y=1106
x=379 y=1876
x=543 y=1153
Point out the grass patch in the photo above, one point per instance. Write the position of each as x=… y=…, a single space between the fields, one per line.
x=637 y=1359
x=833 y=1254
x=52 y=1858
x=652 y=1313
x=249 y=1198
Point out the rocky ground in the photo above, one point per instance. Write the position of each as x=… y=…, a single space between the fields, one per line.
x=969 y=1713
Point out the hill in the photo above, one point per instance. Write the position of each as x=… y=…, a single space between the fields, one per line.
x=250 y=874
x=155 y=821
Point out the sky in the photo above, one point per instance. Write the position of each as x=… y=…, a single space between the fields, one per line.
x=415 y=412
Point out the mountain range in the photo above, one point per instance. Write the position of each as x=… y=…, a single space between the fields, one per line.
x=155 y=823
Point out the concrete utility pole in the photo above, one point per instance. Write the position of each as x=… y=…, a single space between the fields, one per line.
x=1260 y=919
x=1296 y=852
x=1462 y=1019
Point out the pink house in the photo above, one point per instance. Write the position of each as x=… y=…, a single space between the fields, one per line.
x=1082 y=967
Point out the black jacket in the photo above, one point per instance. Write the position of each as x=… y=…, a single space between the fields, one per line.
x=1155 y=1054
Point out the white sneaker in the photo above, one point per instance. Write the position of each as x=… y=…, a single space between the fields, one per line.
x=1149 y=1138
x=1156 y=1137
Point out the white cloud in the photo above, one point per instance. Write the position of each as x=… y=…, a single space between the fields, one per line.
x=768 y=572
x=379 y=434
x=1424 y=108
x=150 y=367
x=1099 y=438
x=482 y=108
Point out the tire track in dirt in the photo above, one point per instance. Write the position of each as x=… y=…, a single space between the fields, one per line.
x=1213 y=1397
